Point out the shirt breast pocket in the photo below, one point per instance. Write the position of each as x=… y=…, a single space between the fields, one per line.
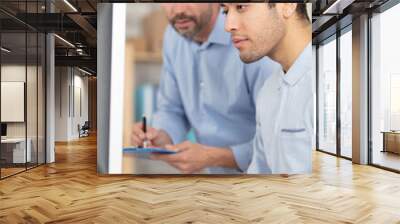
x=293 y=131
x=295 y=150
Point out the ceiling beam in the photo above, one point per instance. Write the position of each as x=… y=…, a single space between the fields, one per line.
x=82 y=61
x=84 y=24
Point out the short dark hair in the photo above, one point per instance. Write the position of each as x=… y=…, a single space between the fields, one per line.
x=301 y=10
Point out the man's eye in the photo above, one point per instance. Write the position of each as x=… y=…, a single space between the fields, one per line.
x=224 y=11
x=241 y=7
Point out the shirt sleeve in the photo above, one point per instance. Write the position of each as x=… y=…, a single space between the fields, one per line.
x=255 y=76
x=258 y=163
x=170 y=115
x=243 y=154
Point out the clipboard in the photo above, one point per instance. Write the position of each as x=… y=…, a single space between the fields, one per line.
x=148 y=150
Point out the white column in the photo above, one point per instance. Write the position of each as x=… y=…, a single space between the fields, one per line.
x=104 y=29
x=110 y=81
x=50 y=99
x=360 y=90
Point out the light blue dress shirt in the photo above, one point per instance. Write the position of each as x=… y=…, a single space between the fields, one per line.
x=206 y=87
x=285 y=116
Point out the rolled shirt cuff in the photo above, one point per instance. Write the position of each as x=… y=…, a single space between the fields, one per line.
x=243 y=154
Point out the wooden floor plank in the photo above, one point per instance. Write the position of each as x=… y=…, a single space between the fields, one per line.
x=70 y=191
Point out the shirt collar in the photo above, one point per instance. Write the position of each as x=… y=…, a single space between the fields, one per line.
x=301 y=66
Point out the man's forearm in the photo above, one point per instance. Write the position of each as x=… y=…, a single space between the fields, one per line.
x=221 y=157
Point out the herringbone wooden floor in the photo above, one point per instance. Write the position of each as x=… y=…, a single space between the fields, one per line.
x=70 y=191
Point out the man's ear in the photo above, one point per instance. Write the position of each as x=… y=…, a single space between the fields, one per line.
x=288 y=9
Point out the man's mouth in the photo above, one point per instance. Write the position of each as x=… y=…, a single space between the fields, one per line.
x=239 y=41
x=182 y=23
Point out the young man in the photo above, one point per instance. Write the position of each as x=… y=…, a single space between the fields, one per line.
x=281 y=31
x=205 y=87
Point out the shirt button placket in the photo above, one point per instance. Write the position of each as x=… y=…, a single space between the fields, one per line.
x=200 y=71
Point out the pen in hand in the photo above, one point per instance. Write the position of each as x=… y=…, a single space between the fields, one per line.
x=145 y=142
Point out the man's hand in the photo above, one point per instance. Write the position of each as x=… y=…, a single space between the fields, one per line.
x=157 y=138
x=190 y=158
x=193 y=157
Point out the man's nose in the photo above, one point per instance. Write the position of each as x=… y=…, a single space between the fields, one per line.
x=179 y=8
x=230 y=22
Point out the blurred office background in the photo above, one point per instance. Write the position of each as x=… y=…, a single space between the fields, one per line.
x=145 y=26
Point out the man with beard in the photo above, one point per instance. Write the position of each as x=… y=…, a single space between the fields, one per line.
x=285 y=115
x=205 y=87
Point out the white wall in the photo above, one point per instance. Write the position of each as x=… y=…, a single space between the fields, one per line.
x=12 y=101
x=68 y=82
x=135 y=13
x=16 y=73
x=61 y=103
x=13 y=72
x=81 y=83
x=33 y=126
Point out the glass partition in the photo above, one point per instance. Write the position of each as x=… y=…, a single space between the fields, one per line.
x=385 y=89
x=14 y=154
x=327 y=96
x=346 y=94
x=31 y=100
x=22 y=76
x=41 y=107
